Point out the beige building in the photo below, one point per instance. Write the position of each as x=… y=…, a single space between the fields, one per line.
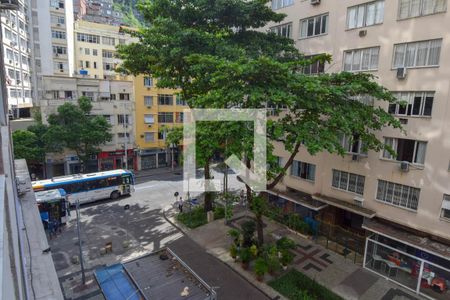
x=112 y=99
x=95 y=49
x=400 y=204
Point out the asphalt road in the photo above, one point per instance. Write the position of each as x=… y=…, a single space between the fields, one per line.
x=107 y=221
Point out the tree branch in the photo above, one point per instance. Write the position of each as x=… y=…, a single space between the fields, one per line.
x=286 y=166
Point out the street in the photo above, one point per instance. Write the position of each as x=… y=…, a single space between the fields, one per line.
x=106 y=221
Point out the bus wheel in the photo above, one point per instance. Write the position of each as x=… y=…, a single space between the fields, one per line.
x=115 y=195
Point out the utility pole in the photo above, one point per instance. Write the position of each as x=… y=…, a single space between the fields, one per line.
x=83 y=277
x=125 y=125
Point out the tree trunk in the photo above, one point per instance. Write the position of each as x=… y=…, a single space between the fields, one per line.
x=286 y=166
x=248 y=189
x=259 y=229
x=208 y=195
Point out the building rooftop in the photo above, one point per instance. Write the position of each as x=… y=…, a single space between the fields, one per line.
x=163 y=275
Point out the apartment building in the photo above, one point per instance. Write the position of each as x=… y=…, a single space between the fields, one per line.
x=400 y=204
x=17 y=59
x=112 y=99
x=52 y=38
x=156 y=110
x=98 y=11
x=95 y=49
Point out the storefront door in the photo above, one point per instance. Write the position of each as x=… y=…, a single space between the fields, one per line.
x=148 y=162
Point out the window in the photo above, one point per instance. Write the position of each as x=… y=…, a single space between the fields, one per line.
x=361 y=59
x=417 y=54
x=124 y=96
x=68 y=94
x=9 y=54
x=121 y=41
x=57 y=19
x=88 y=38
x=60 y=66
x=149 y=137
x=314 y=26
x=122 y=135
x=164 y=99
x=94 y=52
x=348 y=182
x=277 y=4
x=414 y=104
x=56 y=4
x=108 y=66
x=317 y=67
x=149 y=119
x=416 y=8
x=283 y=30
x=87 y=64
x=58 y=34
x=162 y=135
x=95 y=65
x=13 y=93
x=445 y=211
x=89 y=95
x=165 y=117
x=366 y=14
x=303 y=170
x=148 y=81
x=123 y=119
x=59 y=50
x=353 y=144
x=398 y=194
x=108 y=41
x=148 y=100
x=87 y=51
x=407 y=150
x=179 y=117
x=180 y=101
x=107 y=54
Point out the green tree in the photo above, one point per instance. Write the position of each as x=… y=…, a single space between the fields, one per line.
x=217 y=54
x=26 y=146
x=73 y=127
x=174 y=137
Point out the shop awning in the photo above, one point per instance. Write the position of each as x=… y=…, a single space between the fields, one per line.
x=407 y=237
x=300 y=198
x=359 y=210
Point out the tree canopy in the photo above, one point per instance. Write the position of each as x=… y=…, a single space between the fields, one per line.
x=220 y=56
x=73 y=127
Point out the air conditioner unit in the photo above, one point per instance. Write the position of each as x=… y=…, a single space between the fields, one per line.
x=61 y=70
x=358 y=200
x=315 y=2
x=355 y=157
x=362 y=33
x=401 y=73
x=404 y=166
x=142 y=136
x=403 y=121
x=59 y=25
x=10 y=61
x=149 y=107
x=150 y=125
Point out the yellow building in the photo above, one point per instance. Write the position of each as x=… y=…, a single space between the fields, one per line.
x=156 y=109
x=95 y=49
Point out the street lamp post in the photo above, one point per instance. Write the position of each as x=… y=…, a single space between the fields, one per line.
x=125 y=125
x=83 y=277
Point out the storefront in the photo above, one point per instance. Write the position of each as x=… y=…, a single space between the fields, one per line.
x=413 y=261
x=116 y=160
x=157 y=158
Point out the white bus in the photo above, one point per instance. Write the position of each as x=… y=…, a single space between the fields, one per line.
x=90 y=187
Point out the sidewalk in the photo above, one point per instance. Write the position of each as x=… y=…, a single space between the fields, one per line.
x=344 y=278
x=158 y=171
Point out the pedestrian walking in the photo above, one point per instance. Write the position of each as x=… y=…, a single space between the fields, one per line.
x=180 y=204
